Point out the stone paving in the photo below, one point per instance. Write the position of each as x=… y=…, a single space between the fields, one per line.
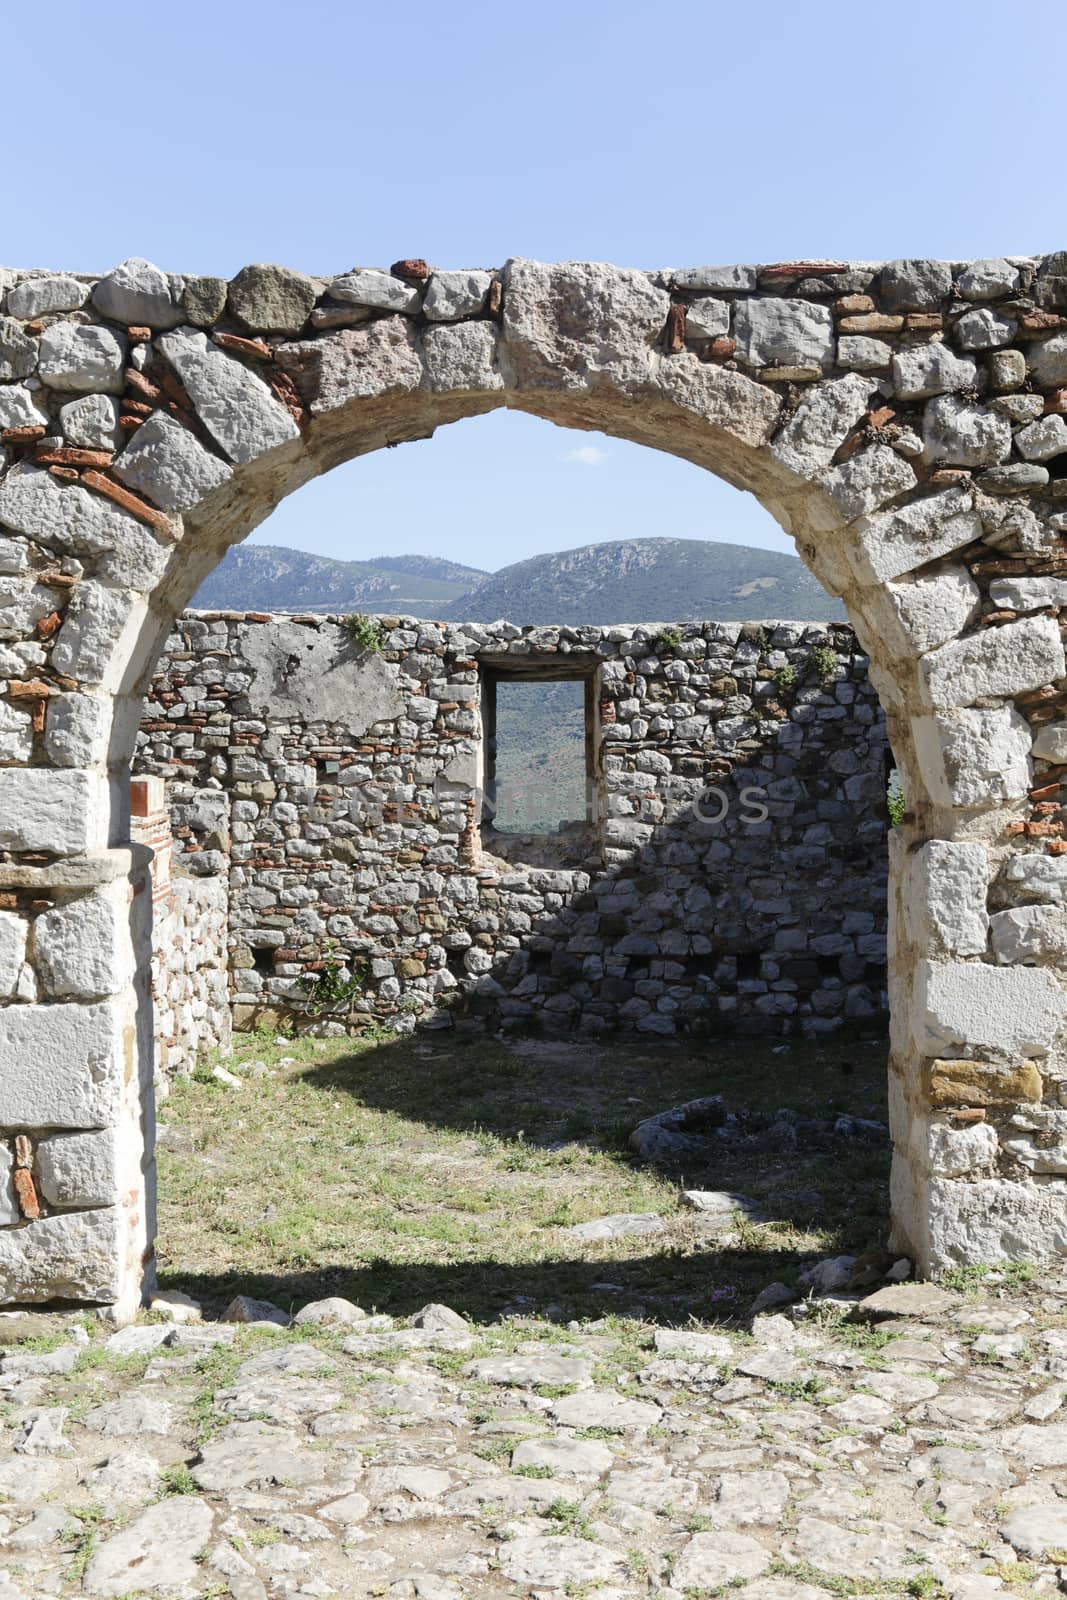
x=911 y=1443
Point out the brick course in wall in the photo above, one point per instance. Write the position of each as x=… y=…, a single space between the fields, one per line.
x=360 y=841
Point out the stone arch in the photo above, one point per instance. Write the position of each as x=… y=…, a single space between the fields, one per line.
x=895 y=420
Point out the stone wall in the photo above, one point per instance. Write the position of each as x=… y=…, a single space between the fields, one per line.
x=343 y=793
x=903 y=421
x=190 y=924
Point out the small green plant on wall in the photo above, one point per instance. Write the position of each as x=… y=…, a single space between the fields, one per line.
x=785 y=678
x=894 y=799
x=823 y=661
x=329 y=988
x=366 y=633
x=669 y=639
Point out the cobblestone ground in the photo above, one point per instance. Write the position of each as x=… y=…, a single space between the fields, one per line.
x=915 y=1443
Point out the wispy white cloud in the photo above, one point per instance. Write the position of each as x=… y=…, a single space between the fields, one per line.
x=586 y=455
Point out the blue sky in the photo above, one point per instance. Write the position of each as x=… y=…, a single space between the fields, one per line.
x=205 y=136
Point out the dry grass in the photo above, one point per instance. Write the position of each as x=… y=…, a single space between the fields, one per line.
x=446 y=1168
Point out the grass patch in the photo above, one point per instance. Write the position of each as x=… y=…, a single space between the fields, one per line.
x=431 y=1168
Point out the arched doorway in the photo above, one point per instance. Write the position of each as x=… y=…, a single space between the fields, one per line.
x=874 y=412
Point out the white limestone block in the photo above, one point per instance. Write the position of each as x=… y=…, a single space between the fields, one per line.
x=77 y=1256
x=964 y=435
x=822 y=422
x=87 y=644
x=9 y=1205
x=76 y=729
x=235 y=405
x=137 y=293
x=22 y=605
x=378 y=290
x=76 y=359
x=169 y=465
x=934 y=609
x=994 y=664
x=984 y=330
x=78 y=1169
x=867 y=480
x=1044 y=877
x=67 y=517
x=1029 y=594
x=13 y=933
x=1011 y=1011
x=16 y=733
x=952 y=1152
x=707 y=318
x=929 y=369
x=988 y=279
x=945 y=897
x=992 y=1220
x=1043 y=439
x=898 y=541
x=80 y=952
x=64 y=813
x=463 y=357
x=92 y=422
x=452 y=295
x=83 y=1050
x=1030 y=934
x=781 y=332
x=37 y=297
x=974 y=758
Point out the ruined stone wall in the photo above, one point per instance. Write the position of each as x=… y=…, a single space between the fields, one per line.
x=343 y=795
x=190 y=924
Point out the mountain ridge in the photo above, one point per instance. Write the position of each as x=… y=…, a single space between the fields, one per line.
x=653 y=579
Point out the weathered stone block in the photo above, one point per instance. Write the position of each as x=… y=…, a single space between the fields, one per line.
x=13 y=932
x=1013 y=1011
x=39 y=297
x=988 y=280
x=74 y=1257
x=78 y=1169
x=930 y=369
x=378 y=290
x=993 y=1220
x=139 y=294
x=235 y=405
x=964 y=435
x=78 y=359
x=788 y=333
x=981 y=1084
x=707 y=319
x=92 y=422
x=64 y=516
x=954 y=1152
x=452 y=295
x=272 y=299
x=462 y=358
x=1029 y=594
x=166 y=463
x=916 y=285
x=76 y=729
x=899 y=541
x=79 y=949
x=945 y=897
x=934 y=609
x=994 y=664
x=821 y=423
x=1030 y=934
x=87 y=645
x=869 y=479
x=64 y=813
x=82 y=1050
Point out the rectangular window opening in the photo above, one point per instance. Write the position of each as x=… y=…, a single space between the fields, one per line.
x=540 y=784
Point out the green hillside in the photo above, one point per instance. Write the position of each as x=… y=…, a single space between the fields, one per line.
x=651 y=580
x=264 y=577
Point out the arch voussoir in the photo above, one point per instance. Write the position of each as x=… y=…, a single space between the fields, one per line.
x=904 y=422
